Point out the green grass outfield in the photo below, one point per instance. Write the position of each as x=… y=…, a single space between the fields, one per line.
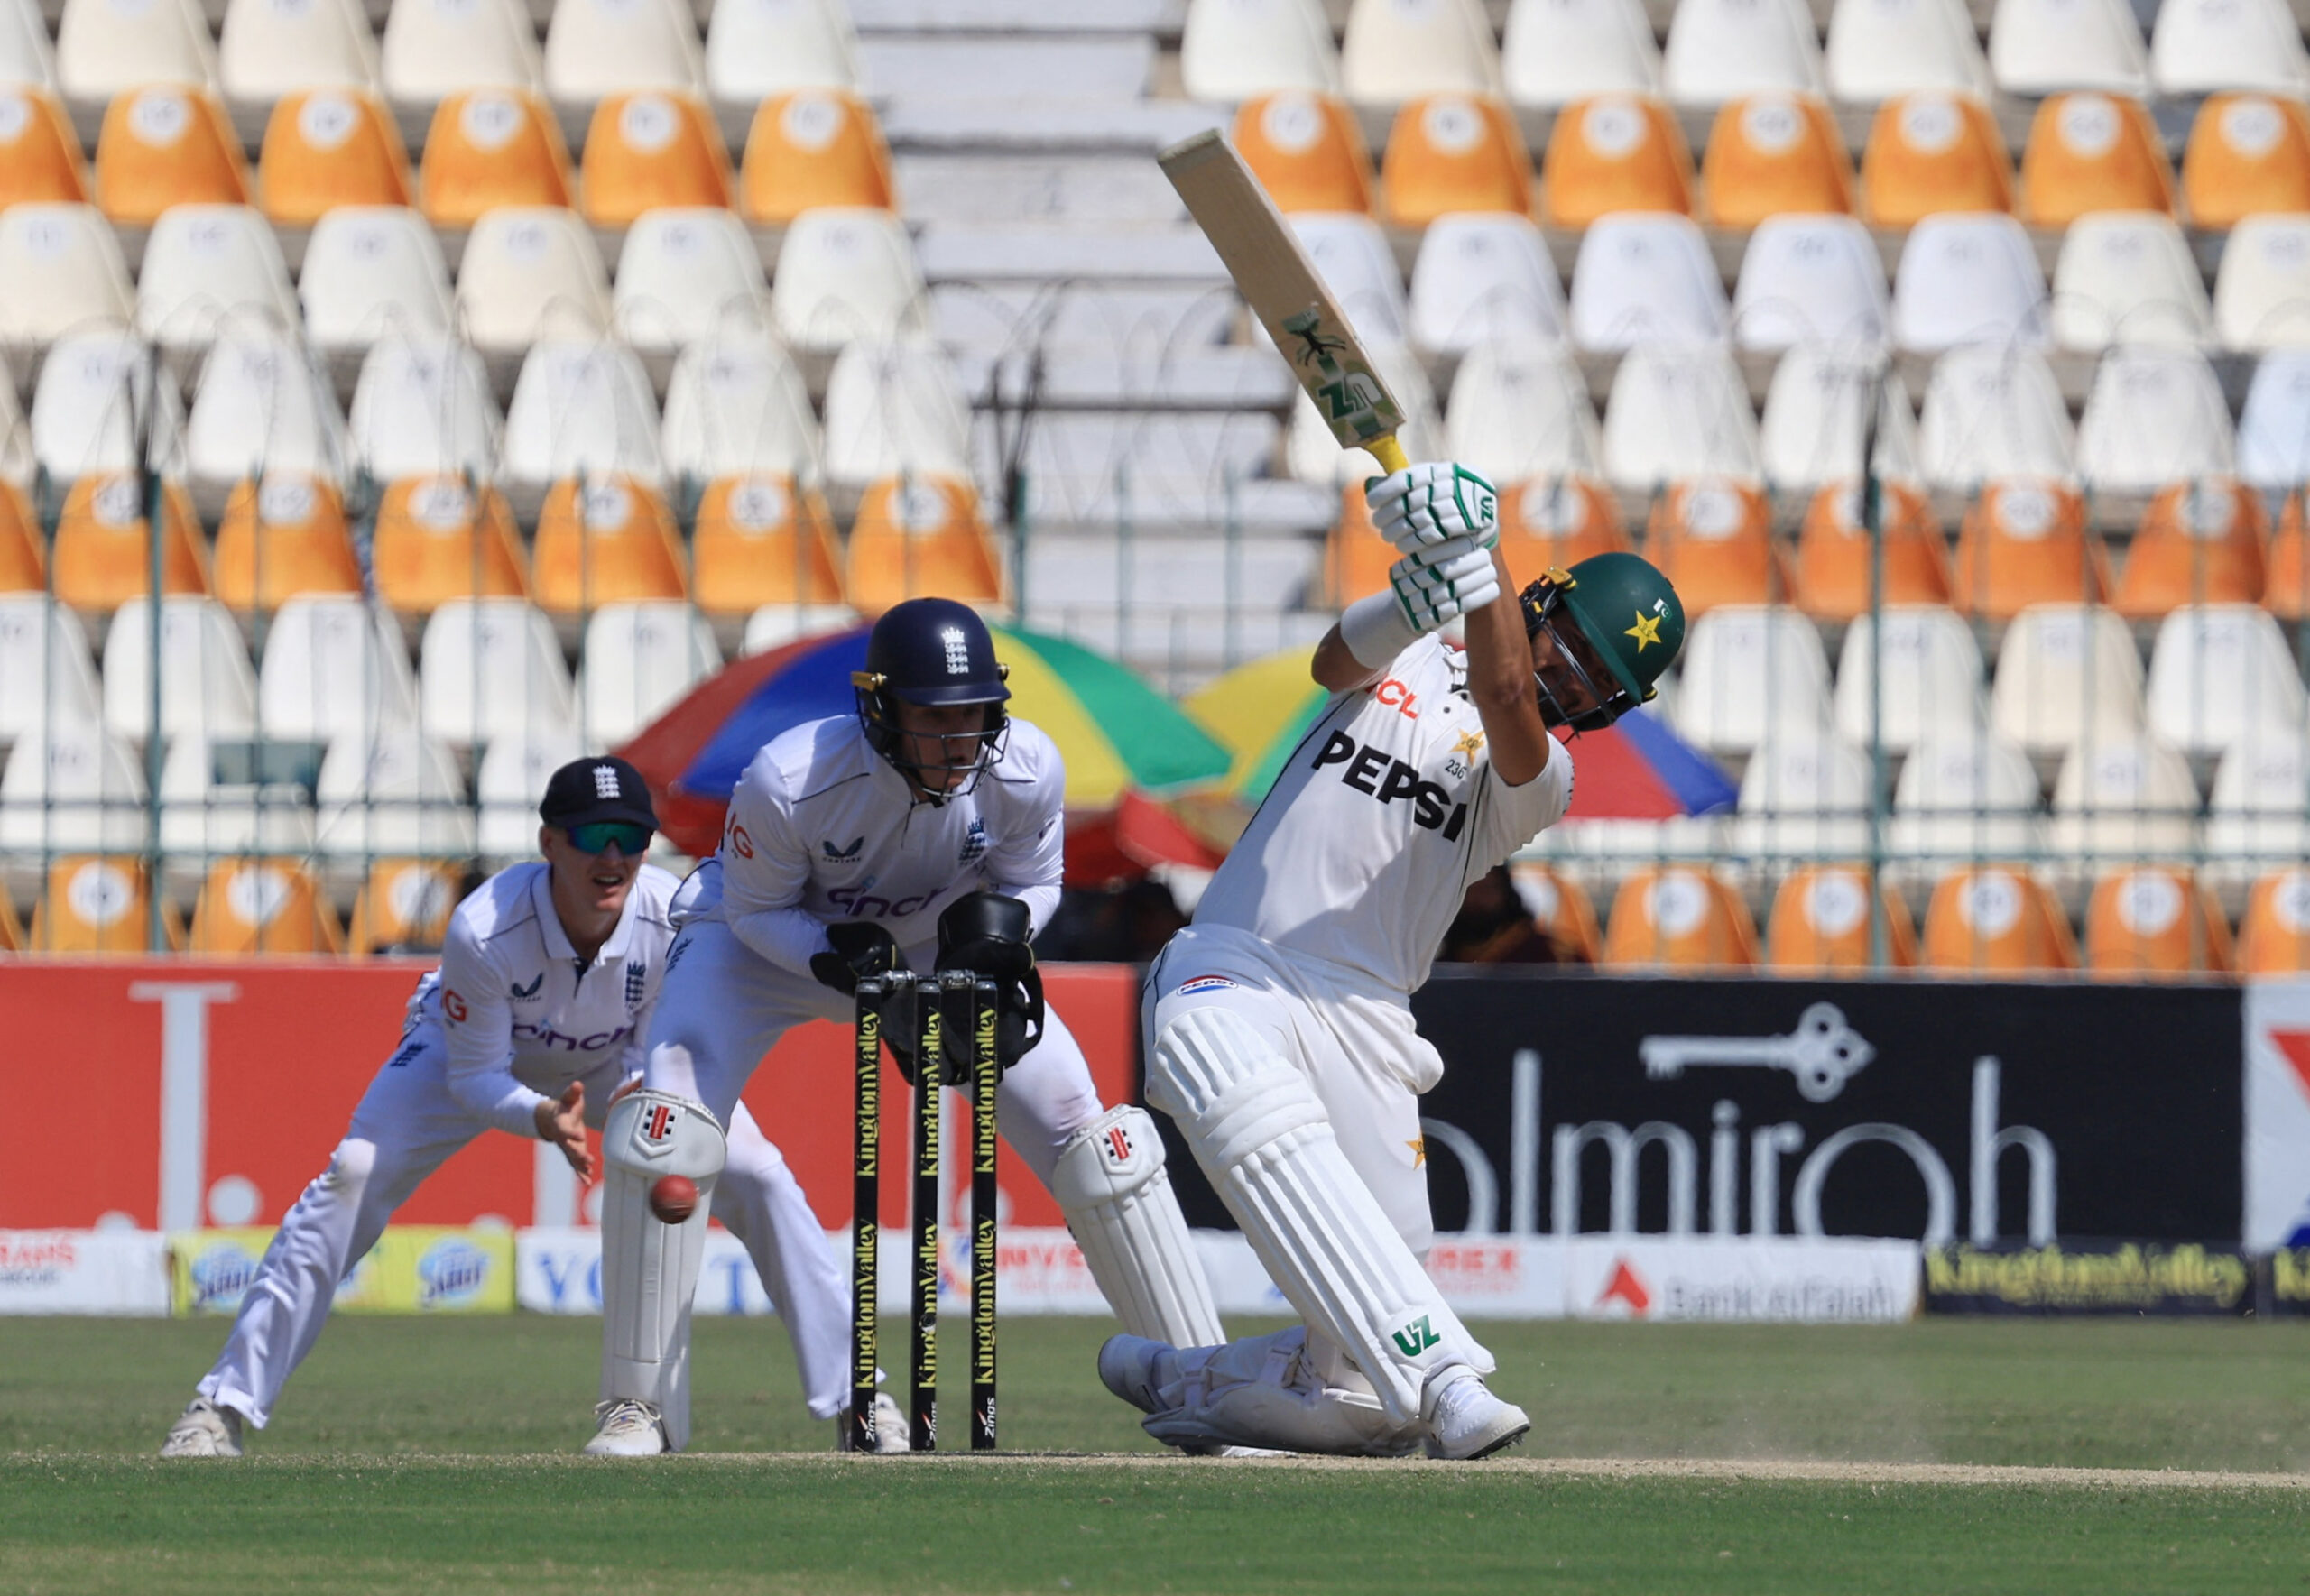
x=438 y=1454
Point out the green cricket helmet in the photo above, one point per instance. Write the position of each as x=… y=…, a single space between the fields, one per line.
x=1627 y=616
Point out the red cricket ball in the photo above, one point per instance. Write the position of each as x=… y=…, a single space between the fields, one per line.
x=673 y=1199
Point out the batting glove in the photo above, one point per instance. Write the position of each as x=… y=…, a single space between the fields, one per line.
x=1434 y=592
x=1432 y=504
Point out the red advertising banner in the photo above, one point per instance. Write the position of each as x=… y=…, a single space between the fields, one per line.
x=173 y=1094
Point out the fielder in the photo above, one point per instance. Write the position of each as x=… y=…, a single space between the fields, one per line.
x=924 y=831
x=531 y=1021
x=1279 y=1025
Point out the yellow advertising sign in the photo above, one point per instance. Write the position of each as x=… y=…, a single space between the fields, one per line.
x=413 y=1270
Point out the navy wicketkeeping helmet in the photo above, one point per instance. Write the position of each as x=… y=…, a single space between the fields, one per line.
x=936 y=654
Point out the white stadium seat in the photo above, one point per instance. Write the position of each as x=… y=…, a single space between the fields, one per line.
x=74 y=788
x=273 y=48
x=595 y=48
x=1802 y=799
x=1351 y=255
x=639 y=658
x=2153 y=416
x=25 y=57
x=209 y=269
x=372 y=271
x=424 y=407
x=737 y=406
x=1482 y=280
x=2273 y=427
x=580 y=409
x=1809 y=280
x=1235 y=50
x=333 y=665
x=392 y=794
x=1815 y=418
x=2262 y=292
x=1392 y=53
x=2066 y=673
x=1993 y=411
x=2127 y=277
x=1968 y=279
x=44 y=660
x=2206 y=46
x=105 y=48
x=262 y=407
x=207 y=687
x=895 y=410
x=755 y=48
x=1645 y=278
x=90 y=407
x=1520 y=411
x=1677 y=412
x=1933 y=679
x=532 y=271
x=509 y=783
x=846 y=273
x=2222 y=676
x=687 y=274
x=1751 y=674
x=774 y=626
x=1880 y=49
x=62 y=272
x=1720 y=49
x=1965 y=797
x=215 y=804
x=492 y=667
x=434 y=49
x=2258 y=818
x=1556 y=52
x=18 y=465
x=2040 y=47
x=2121 y=800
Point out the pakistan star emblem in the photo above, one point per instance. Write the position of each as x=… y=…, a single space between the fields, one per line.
x=1466 y=744
x=1418 y=1152
x=1647 y=630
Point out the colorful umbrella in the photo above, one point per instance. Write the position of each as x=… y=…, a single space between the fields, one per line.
x=1120 y=738
x=1639 y=769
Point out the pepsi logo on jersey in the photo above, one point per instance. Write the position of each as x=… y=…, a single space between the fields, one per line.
x=1375 y=773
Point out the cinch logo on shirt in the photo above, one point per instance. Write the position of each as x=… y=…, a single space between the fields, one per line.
x=1374 y=772
x=866 y=906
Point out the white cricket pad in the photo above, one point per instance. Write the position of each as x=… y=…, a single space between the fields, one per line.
x=1267 y=1391
x=650 y=1267
x=1261 y=1135
x=1110 y=1184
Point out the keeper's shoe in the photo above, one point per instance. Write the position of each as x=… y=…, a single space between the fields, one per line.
x=204 y=1430
x=891 y=1431
x=1127 y=1367
x=628 y=1429
x=1464 y=1420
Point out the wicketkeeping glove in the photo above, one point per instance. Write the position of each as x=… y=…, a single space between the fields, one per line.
x=1437 y=585
x=1433 y=503
x=859 y=949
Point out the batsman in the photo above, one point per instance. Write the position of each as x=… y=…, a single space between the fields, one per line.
x=924 y=831
x=1279 y=1025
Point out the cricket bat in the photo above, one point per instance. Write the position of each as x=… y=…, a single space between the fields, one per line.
x=1278 y=282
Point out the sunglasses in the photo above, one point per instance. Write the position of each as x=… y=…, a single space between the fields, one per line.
x=598 y=835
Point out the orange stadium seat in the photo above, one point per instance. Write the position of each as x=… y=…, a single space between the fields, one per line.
x=40 y=157
x=1712 y=537
x=2286 y=588
x=263 y=906
x=1614 y=153
x=2274 y=933
x=1679 y=916
x=1455 y=153
x=2093 y=151
x=167 y=144
x=1772 y=153
x=648 y=149
x=758 y=542
x=1561 y=908
x=328 y=147
x=1834 y=555
x=23 y=569
x=437 y=540
x=917 y=535
x=812 y=148
x=1307 y=149
x=1990 y=920
x=1820 y=922
x=492 y=147
x=1930 y=152
x=1356 y=558
x=403 y=907
x=93 y=905
x=2199 y=543
x=2023 y=543
x=1557 y=521
x=12 y=930
x=608 y=538
x=2249 y=155
x=281 y=538
x=2152 y=920
x=103 y=557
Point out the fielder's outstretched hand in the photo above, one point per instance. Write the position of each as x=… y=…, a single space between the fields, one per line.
x=1434 y=503
x=562 y=1122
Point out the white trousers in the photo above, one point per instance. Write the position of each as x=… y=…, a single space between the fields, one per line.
x=406 y=1127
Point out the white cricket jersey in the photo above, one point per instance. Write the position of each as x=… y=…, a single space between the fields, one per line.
x=822 y=828
x=522 y=1014
x=1383 y=816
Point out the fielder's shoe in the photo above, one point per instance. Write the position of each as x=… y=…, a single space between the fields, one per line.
x=1127 y=1367
x=1464 y=1419
x=890 y=1431
x=629 y=1429
x=205 y=1430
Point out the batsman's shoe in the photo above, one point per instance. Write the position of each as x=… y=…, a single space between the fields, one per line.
x=1127 y=1367
x=1464 y=1419
x=628 y=1429
x=890 y=1431
x=205 y=1430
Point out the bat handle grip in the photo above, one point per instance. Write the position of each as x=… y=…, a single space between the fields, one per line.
x=1389 y=453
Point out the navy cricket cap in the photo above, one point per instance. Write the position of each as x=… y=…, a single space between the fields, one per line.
x=587 y=790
